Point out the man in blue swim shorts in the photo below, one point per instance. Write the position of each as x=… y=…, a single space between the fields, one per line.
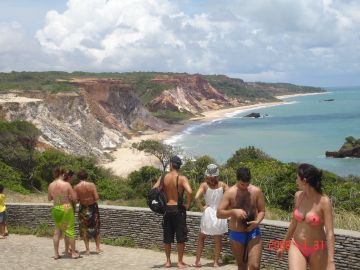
x=244 y=204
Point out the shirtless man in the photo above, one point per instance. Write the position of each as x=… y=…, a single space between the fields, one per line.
x=89 y=217
x=174 y=220
x=244 y=204
x=62 y=212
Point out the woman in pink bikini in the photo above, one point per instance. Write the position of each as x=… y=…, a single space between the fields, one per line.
x=309 y=242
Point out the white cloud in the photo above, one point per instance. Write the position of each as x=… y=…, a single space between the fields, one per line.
x=259 y=39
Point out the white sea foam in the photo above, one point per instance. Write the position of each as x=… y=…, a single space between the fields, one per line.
x=235 y=113
x=176 y=138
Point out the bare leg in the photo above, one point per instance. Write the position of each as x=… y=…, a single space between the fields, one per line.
x=74 y=254
x=87 y=246
x=218 y=243
x=67 y=245
x=238 y=252
x=56 y=241
x=167 y=248
x=97 y=242
x=254 y=253
x=318 y=260
x=297 y=261
x=199 y=249
x=180 y=249
x=6 y=230
x=2 y=231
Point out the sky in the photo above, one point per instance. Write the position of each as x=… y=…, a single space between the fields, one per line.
x=307 y=42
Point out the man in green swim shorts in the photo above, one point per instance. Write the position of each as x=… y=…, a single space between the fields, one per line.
x=62 y=212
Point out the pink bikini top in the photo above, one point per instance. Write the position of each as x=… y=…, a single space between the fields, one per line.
x=311 y=218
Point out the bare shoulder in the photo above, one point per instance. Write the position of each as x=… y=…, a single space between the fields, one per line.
x=325 y=200
x=67 y=185
x=222 y=184
x=297 y=194
x=256 y=189
x=183 y=179
x=231 y=191
x=203 y=185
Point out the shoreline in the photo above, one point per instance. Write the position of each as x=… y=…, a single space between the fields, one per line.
x=127 y=159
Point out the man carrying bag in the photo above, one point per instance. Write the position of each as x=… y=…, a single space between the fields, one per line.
x=174 y=219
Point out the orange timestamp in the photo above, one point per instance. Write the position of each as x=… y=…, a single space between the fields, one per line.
x=285 y=244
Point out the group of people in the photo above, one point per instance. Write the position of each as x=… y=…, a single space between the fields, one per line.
x=65 y=198
x=309 y=238
x=238 y=210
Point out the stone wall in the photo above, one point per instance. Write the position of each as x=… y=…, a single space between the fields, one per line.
x=144 y=227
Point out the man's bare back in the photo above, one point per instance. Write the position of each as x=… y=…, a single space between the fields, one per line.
x=61 y=192
x=172 y=190
x=86 y=193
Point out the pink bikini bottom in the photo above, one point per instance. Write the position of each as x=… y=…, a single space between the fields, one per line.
x=306 y=250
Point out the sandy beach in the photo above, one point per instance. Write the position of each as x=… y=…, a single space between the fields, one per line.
x=127 y=159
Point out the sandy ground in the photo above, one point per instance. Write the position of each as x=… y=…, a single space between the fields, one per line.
x=11 y=97
x=127 y=159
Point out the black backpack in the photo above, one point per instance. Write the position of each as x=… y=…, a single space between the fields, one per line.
x=156 y=198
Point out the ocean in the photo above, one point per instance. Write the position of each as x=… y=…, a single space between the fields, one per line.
x=301 y=130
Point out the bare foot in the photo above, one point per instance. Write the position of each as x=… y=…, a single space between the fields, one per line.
x=216 y=264
x=57 y=257
x=197 y=264
x=182 y=265
x=167 y=264
x=75 y=255
x=99 y=251
x=87 y=252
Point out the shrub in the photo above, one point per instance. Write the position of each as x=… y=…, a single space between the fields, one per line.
x=142 y=180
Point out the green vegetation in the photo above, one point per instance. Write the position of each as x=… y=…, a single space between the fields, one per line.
x=237 y=88
x=277 y=179
x=43 y=81
x=120 y=242
x=163 y=152
x=41 y=230
x=172 y=117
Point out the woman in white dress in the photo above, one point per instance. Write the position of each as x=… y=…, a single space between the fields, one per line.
x=213 y=191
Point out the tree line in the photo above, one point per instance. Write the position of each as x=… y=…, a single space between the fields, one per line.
x=25 y=169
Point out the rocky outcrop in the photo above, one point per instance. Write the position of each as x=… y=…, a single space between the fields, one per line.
x=351 y=148
x=96 y=118
x=253 y=115
x=190 y=94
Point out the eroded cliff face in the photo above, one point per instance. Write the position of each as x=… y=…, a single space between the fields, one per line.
x=96 y=118
x=190 y=94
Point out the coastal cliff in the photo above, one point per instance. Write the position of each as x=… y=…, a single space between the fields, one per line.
x=91 y=114
x=97 y=117
x=191 y=94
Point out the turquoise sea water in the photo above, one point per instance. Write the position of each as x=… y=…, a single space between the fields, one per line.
x=299 y=131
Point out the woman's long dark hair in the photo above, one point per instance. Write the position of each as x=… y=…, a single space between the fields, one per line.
x=312 y=175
